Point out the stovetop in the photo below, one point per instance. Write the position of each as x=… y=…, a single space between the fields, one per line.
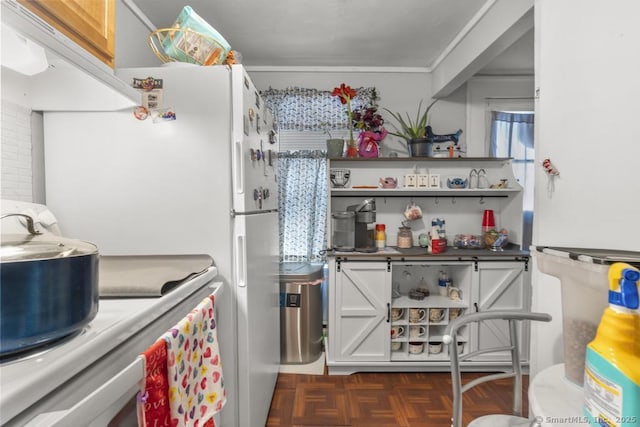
x=26 y=380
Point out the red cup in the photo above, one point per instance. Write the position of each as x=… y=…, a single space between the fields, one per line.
x=488 y=221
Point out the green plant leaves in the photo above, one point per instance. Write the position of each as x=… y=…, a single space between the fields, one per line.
x=411 y=129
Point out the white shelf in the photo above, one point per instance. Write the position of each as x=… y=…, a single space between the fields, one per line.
x=432 y=301
x=423 y=192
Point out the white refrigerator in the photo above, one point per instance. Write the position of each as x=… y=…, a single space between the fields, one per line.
x=203 y=183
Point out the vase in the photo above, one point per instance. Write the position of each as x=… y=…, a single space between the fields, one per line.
x=335 y=148
x=420 y=147
x=352 y=148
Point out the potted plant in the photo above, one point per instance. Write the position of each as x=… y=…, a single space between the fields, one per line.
x=413 y=131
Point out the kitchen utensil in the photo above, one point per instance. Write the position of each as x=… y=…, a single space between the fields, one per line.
x=436 y=315
x=412 y=212
x=416 y=347
x=417 y=314
x=397 y=313
x=435 y=347
x=397 y=331
x=339 y=177
x=49 y=287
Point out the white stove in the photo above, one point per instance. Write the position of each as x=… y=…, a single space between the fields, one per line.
x=58 y=378
x=91 y=377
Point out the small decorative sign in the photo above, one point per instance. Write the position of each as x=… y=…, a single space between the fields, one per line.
x=410 y=180
x=434 y=181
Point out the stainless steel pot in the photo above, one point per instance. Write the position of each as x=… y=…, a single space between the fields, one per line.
x=48 y=288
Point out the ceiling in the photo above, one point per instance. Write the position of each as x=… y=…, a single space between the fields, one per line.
x=345 y=33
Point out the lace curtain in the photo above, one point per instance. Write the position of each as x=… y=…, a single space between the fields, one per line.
x=304 y=109
x=302 y=188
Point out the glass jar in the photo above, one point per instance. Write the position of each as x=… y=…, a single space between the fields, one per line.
x=381 y=236
x=405 y=238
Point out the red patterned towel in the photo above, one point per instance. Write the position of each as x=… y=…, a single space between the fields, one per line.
x=153 y=399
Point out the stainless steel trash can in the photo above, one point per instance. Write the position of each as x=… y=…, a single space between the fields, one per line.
x=300 y=312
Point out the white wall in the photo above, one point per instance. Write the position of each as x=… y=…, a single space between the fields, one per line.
x=132 y=49
x=398 y=91
x=587 y=62
x=484 y=92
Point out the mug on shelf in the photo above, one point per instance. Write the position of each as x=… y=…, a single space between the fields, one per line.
x=454 y=313
x=397 y=331
x=397 y=313
x=396 y=345
x=436 y=315
x=455 y=294
x=416 y=347
x=435 y=347
x=460 y=347
x=417 y=314
x=417 y=331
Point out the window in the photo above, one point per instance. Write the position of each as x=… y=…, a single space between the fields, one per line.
x=512 y=136
x=302 y=116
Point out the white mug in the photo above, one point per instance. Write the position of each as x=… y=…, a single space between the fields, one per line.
x=396 y=345
x=435 y=347
x=436 y=315
x=397 y=313
x=454 y=313
x=416 y=347
x=417 y=314
x=417 y=331
x=397 y=331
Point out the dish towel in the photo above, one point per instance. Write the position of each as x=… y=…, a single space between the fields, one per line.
x=153 y=398
x=194 y=389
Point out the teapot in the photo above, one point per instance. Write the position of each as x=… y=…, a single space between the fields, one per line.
x=388 y=182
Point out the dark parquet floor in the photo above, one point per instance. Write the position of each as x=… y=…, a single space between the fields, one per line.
x=382 y=400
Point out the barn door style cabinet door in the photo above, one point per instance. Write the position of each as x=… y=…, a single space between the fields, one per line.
x=360 y=328
x=502 y=285
x=89 y=23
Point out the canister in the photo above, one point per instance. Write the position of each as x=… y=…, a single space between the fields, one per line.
x=344 y=229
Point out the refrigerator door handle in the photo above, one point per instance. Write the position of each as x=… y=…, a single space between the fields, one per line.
x=241 y=262
x=239 y=163
x=235 y=213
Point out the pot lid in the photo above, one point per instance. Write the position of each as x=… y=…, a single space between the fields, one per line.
x=28 y=247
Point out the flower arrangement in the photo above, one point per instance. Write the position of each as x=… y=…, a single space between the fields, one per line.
x=345 y=94
x=367 y=119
